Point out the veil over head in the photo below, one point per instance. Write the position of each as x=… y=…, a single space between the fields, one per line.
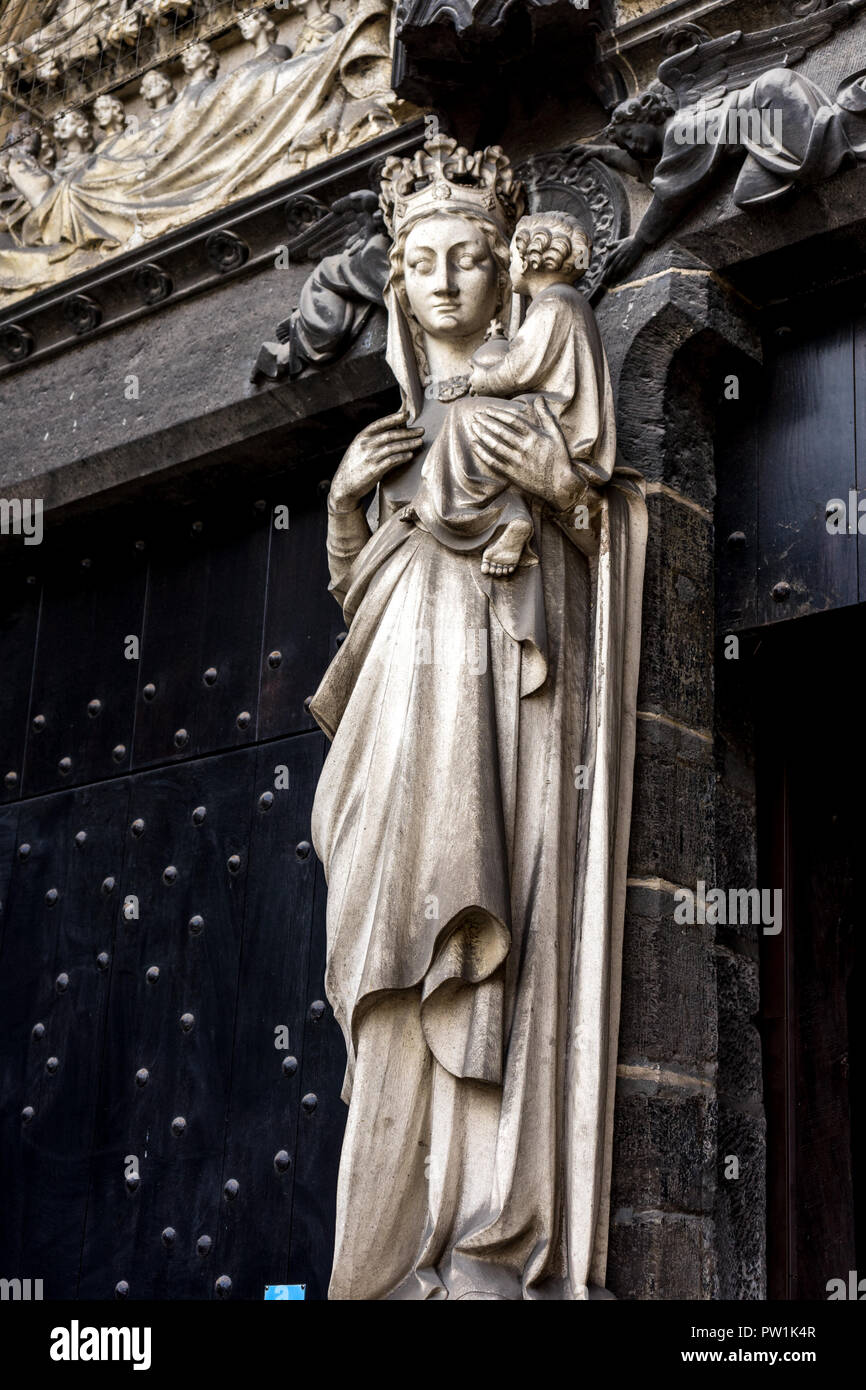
x=441 y=178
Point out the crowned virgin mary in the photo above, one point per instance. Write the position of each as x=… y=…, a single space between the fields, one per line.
x=473 y=812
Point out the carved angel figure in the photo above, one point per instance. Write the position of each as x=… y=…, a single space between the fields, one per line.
x=340 y=294
x=729 y=99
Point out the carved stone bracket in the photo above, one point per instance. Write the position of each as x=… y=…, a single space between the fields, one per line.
x=153 y=283
x=16 y=343
x=225 y=251
x=586 y=188
x=82 y=313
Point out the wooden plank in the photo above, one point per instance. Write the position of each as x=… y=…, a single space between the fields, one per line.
x=302 y=619
x=206 y=587
x=320 y=1130
x=256 y=1226
x=28 y=996
x=93 y=599
x=736 y=511
x=188 y=1070
x=805 y=457
x=58 y=1172
x=19 y=618
x=860 y=461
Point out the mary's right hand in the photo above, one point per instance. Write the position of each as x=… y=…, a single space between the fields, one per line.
x=374 y=452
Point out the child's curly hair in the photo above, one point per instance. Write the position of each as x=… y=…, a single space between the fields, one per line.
x=648 y=108
x=553 y=241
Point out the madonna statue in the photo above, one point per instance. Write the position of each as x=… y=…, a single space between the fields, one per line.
x=473 y=812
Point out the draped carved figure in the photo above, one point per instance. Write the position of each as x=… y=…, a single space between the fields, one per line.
x=472 y=815
x=224 y=137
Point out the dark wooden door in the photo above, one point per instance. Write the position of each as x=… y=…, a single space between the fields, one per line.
x=814 y=971
x=170 y=1116
x=794 y=590
x=790 y=445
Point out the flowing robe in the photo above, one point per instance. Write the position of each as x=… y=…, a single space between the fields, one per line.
x=476 y=889
x=220 y=140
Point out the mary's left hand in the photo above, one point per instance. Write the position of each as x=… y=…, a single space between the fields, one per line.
x=526 y=445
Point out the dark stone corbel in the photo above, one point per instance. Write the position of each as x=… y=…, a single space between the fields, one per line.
x=153 y=283
x=82 y=313
x=16 y=343
x=440 y=43
x=225 y=251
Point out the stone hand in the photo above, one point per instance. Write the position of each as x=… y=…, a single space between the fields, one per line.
x=526 y=445
x=384 y=445
x=621 y=258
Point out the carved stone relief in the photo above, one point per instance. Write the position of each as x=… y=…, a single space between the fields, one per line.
x=189 y=136
x=734 y=99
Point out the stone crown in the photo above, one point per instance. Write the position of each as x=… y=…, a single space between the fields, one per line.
x=443 y=176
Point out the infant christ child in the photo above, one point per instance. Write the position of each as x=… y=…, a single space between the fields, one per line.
x=464 y=503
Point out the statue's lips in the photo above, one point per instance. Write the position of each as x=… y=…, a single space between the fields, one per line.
x=445 y=311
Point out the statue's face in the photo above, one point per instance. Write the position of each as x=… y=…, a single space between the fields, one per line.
x=193 y=57
x=640 y=138
x=154 y=85
x=105 y=111
x=66 y=127
x=249 y=25
x=451 y=277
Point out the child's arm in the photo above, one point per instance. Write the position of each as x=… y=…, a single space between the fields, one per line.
x=525 y=365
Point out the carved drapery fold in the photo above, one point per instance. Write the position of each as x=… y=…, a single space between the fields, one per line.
x=99 y=180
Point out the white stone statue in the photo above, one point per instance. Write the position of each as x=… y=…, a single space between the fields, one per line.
x=158 y=89
x=74 y=133
x=108 y=115
x=199 y=62
x=257 y=27
x=473 y=812
x=465 y=504
x=319 y=24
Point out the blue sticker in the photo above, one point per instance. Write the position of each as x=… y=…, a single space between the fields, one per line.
x=286 y=1291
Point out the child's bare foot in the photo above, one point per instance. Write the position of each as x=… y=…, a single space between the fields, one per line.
x=502 y=556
